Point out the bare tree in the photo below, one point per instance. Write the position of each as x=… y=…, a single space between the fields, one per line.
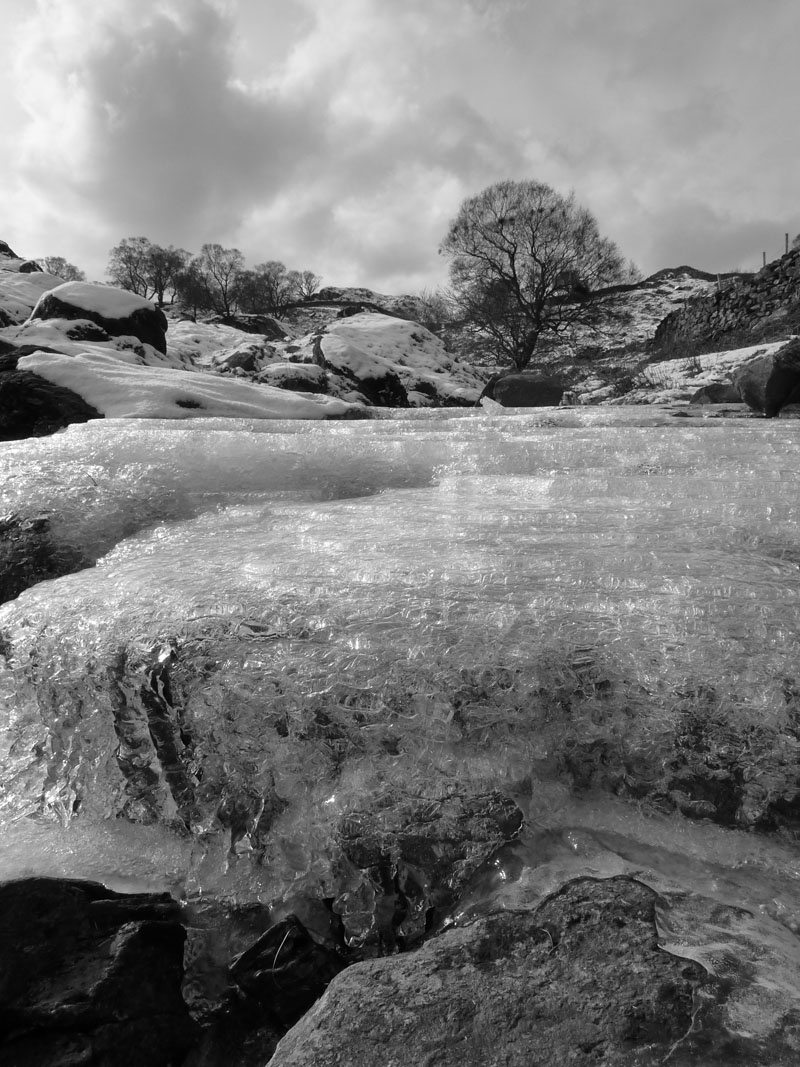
x=60 y=268
x=308 y=284
x=219 y=268
x=162 y=266
x=523 y=261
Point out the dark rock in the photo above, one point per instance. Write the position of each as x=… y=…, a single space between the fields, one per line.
x=523 y=391
x=86 y=330
x=7 y=251
x=67 y=301
x=29 y=554
x=766 y=382
x=386 y=391
x=31 y=406
x=90 y=976
x=286 y=971
x=716 y=393
x=259 y=324
x=578 y=980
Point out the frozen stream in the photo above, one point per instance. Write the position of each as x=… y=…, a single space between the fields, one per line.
x=289 y=623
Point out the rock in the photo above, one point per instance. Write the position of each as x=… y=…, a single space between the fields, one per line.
x=523 y=391
x=32 y=406
x=90 y=976
x=286 y=971
x=117 y=311
x=717 y=393
x=766 y=381
x=580 y=979
x=301 y=377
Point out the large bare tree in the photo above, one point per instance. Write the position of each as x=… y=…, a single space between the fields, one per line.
x=524 y=260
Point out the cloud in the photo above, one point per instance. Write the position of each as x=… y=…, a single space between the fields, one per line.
x=342 y=137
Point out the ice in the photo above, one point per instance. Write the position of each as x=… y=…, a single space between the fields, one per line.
x=290 y=621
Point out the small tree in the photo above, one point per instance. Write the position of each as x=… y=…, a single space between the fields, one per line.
x=523 y=260
x=60 y=268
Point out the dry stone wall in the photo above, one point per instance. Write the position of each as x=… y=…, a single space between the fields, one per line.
x=747 y=308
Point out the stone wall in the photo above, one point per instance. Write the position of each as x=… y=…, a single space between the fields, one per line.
x=744 y=309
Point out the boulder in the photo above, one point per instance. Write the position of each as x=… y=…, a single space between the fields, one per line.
x=523 y=391
x=117 y=311
x=90 y=976
x=767 y=381
x=579 y=979
x=264 y=325
x=716 y=393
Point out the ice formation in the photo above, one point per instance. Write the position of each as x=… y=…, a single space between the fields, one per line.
x=289 y=622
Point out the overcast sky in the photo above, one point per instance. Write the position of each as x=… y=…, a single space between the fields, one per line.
x=341 y=136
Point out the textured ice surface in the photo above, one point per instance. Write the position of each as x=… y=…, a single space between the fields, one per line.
x=290 y=621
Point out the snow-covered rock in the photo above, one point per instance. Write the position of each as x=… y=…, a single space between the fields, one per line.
x=119 y=389
x=677 y=380
x=368 y=347
x=117 y=311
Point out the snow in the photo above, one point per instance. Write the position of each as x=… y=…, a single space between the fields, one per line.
x=105 y=300
x=121 y=389
x=20 y=292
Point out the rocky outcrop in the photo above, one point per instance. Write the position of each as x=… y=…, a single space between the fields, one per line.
x=523 y=391
x=744 y=309
x=117 y=311
x=578 y=980
x=770 y=381
x=90 y=976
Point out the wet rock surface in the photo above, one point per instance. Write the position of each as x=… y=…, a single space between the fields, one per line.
x=89 y=976
x=405 y=866
x=578 y=980
x=29 y=554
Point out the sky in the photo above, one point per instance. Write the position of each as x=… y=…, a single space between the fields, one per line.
x=341 y=136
